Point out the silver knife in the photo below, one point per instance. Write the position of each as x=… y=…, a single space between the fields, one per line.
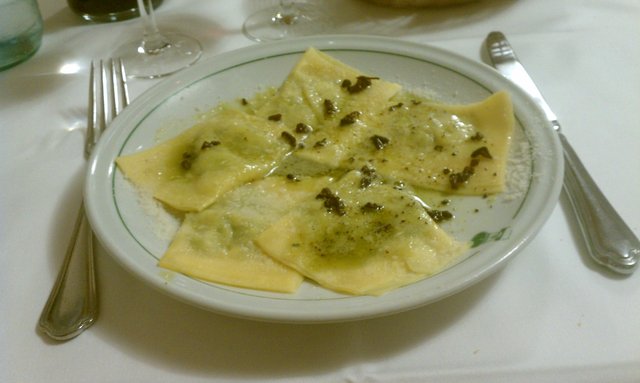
x=609 y=241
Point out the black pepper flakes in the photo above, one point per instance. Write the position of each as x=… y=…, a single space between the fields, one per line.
x=439 y=216
x=362 y=83
x=481 y=152
x=289 y=138
x=320 y=143
x=379 y=142
x=371 y=207
x=458 y=179
x=303 y=128
x=330 y=108
x=396 y=106
x=209 y=144
x=187 y=160
x=332 y=202
x=368 y=176
x=368 y=170
x=383 y=228
x=275 y=117
x=350 y=118
x=293 y=177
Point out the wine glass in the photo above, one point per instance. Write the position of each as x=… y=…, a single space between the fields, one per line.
x=157 y=54
x=287 y=19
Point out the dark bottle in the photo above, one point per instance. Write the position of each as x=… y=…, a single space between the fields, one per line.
x=107 y=10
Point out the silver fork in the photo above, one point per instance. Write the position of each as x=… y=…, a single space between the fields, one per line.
x=72 y=306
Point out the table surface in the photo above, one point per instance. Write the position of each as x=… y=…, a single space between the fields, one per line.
x=550 y=315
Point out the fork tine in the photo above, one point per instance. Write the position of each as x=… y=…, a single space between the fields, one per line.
x=108 y=95
x=120 y=93
x=115 y=103
x=123 y=84
x=92 y=115
x=104 y=96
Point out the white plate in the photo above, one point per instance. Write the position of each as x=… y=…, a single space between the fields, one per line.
x=501 y=227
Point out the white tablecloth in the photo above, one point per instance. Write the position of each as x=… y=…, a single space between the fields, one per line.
x=551 y=315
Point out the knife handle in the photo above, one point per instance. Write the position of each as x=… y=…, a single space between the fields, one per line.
x=609 y=240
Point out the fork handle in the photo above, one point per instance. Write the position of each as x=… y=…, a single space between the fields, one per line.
x=608 y=239
x=73 y=305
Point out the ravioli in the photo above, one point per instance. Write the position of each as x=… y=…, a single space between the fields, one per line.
x=366 y=237
x=190 y=171
x=326 y=104
x=257 y=179
x=216 y=244
x=450 y=148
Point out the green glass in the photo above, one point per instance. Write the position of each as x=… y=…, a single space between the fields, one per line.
x=20 y=31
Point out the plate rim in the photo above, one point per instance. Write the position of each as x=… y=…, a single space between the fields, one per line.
x=180 y=81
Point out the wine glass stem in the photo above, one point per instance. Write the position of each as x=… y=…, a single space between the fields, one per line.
x=152 y=40
x=287 y=13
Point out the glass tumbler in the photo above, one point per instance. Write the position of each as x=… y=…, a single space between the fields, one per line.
x=20 y=31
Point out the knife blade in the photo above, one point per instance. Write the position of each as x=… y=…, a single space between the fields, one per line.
x=608 y=239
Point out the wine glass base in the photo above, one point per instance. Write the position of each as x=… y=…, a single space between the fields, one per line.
x=179 y=52
x=265 y=25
